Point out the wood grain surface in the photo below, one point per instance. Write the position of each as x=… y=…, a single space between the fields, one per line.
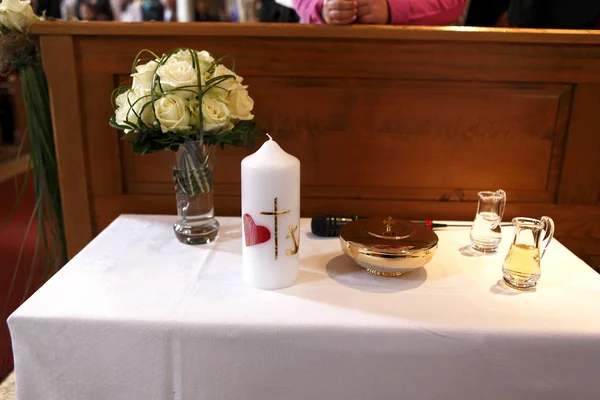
x=221 y=29
x=385 y=120
x=60 y=65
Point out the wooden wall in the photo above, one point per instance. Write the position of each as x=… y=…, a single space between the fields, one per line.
x=385 y=120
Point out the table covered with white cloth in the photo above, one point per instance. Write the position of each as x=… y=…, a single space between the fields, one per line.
x=138 y=315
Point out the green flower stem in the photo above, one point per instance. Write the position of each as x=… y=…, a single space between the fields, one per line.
x=47 y=213
x=191 y=175
x=45 y=168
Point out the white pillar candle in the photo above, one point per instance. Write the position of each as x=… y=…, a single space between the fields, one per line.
x=271 y=217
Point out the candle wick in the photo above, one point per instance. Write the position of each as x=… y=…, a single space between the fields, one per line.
x=270 y=138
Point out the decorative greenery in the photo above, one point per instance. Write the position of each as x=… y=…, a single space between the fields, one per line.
x=20 y=53
x=17 y=51
x=184 y=96
x=193 y=172
x=142 y=123
x=153 y=140
x=42 y=155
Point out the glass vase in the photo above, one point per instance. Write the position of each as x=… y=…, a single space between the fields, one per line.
x=193 y=178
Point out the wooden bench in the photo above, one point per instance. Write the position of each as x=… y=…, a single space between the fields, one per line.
x=406 y=121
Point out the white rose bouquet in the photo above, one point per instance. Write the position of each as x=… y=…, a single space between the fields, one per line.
x=17 y=49
x=16 y=15
x=184 y=95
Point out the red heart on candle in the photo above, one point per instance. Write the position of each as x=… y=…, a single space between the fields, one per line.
x=255 y=234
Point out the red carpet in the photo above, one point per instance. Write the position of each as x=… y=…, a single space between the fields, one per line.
x=11 y=239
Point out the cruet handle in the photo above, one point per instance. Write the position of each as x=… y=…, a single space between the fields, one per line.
x=502 y=193
x=549 y=229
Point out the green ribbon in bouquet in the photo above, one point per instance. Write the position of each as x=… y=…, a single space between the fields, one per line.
x=193 y=175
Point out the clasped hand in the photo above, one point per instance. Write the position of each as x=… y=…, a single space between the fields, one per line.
x=342 y=12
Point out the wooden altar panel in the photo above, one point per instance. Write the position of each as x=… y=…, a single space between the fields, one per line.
x=411 y=145
x=404 y=121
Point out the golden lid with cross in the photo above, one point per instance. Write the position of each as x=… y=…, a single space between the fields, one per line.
x=388 y=246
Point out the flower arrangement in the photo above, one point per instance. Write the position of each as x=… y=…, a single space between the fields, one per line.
x=187 y=102
x=16 y=15
x=20 y=53
x=17 y=50
x=184 y=95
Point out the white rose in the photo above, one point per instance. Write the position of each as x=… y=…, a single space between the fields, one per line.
x=194 y=107
x=132 y=104
x=221 y=70
x=185 y=55
x=172 y=113
x=16 y=15
x=241 y=104
x=215 y=114
x=123 y=114
x=145 y=109
x=223 y=88
x=195 y=118
x=122 y=98
x=179 y=74
x=144 y=75
x=227 y=127
x=204 y=56
x=205 y=61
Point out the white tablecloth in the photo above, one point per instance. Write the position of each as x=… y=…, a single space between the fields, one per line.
x=137 y=315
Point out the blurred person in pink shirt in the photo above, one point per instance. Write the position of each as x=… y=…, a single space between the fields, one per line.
x=394 y=12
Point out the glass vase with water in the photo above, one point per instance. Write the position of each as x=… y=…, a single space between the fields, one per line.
x=486 y=233
x=193 y=178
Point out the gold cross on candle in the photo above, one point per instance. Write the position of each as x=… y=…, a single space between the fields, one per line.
x=275 y=213
x=292 y=235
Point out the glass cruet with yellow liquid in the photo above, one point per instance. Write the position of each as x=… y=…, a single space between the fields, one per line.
x=521 y=269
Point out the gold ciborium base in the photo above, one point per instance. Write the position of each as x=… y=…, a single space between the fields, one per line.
x=386 y=274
